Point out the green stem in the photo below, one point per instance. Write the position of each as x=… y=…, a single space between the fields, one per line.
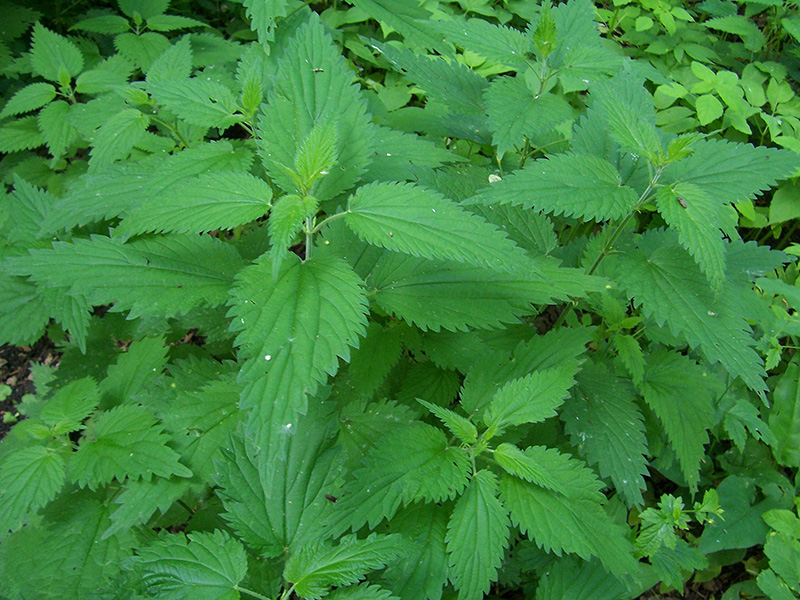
x=327 y=220
x=251 y=593
x=609 y=244
x=173 y=130
x=286 y=593
x=309 y=239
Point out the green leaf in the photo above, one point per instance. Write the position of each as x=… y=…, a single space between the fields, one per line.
x=412 y=21
x=436 y=295
x=628 y=110
x=477 y=535
x=576 y=185
x=292 y=331
x=695 y=217
x=108 y=24
x=29 y=98
x=752 y=37
x=410 y=219
x=421 y=572
x=361 y=592
x=206 y=566
x=314 y=85
x=141 y=499
x=21 y=134
x=201 y=102
x=24 y=313
x=452 y=84
x=117 y=136
x=604 y=422
x=105 y=76
x=708 y=109
x=728 y=172
x=112 y=191
x=53 y=56
x=459 y=426
x=501 y=44
x=395 y=472
x=29 y=205
x=572 y=521
x=675 y=388
x=222 y=200
x=64 y=557
x=374 y=358
x=141 y=50
x=317 y=154
x=172 y=23
x=263 y=16
x=144 y=8
x=285 y=222
x=276 y=499
x=316 y=568
x=57 y=130
x=30 y=477
x=670 y=287
x=143 y=361
x=533 y=113
x=524 y=466
x=784 y=418
x=181 y=272
x=70 y=405
x=529 y=399
x=174 y=64
x=773 y=586
x=125 y=441
x=570 y=577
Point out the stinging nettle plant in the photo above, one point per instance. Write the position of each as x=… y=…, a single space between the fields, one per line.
x=447 y=346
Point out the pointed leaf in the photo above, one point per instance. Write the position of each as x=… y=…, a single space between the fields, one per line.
x=53 y=56
x=29 y=98
x=29 y=478
x=117 y=136
x=459 y=426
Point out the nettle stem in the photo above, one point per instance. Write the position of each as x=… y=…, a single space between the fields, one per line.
x=608 y=246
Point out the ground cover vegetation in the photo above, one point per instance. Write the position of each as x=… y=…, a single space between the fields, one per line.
x=387 y=299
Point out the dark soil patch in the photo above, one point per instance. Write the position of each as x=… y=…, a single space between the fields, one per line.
x=15 y=372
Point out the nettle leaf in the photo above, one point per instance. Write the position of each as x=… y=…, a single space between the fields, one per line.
x=57 y=130
x=571 y=521
x=70 y=405
x=143 y=361
x=105 y=76
x=141 y=499
x=29 y=98
x=29 y=205
x=201 y=102
x=126 y=441
x=315 y=568
x=533 y=113
x=317 y=154
x=117 y=136
x=30 y=477
x=395 y=472
x=420 y=573
x=293 y=330
x=20 y=134
x=362 y=591
x=459 y=426
x=64 y=556
x=605 y=424
x=313 y=86
x=436 y=295
x=168 y=275
x=205 y=566
x=174 y=64
x=695 y=217
x=375 y=356
x=143 y=49
x=108 y=24
x=144 y=8
x=410 y=20
x=525 y=466
x=113 y=190
x=407 y=218
x=263 y=15
x=477 y=535
x=529 y=399
x=497 y=43
x=728 y=172
x=576 y=185
x=629 y=112
x=53 y=56
x=276 y=499
x=222 y=200
x=669 y=286
x=676 y=388
x=172 y=23
x=285 y=222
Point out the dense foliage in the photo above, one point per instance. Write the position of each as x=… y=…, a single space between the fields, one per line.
x=392 y=299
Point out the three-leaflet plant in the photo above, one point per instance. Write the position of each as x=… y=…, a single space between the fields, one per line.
x=450 y=347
